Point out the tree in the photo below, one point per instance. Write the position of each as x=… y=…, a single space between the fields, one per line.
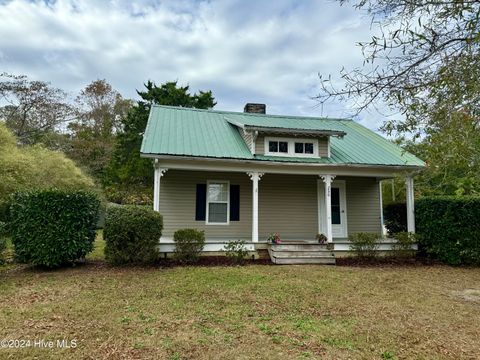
x=420 y=43
x=33 y=109
x=99 y=110
x=128 y=171
x=34 y=167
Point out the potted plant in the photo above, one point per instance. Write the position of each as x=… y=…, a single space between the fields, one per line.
x=321 y=238
x=274 y=238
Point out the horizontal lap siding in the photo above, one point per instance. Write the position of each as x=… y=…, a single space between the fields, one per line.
x=247 y=137
x=260 y=145
x=323 y=147
x=288 y=206
x=363 y=205
x=177 y=204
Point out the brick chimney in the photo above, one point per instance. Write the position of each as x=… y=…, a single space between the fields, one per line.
x=255 y=108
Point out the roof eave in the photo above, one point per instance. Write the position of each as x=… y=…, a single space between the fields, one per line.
x=254 y=160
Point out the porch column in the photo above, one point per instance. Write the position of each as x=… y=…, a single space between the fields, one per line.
x=255 y=177
x=382 y=221
x=159 y=172
x=410 y=205
x=327 y=179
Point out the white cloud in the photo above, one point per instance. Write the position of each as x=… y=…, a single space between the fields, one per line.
x=260 y=51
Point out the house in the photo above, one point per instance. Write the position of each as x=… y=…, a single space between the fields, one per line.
x=244 y=175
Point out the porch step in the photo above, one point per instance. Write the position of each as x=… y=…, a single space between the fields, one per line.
x=299 y=247
x=301 y=253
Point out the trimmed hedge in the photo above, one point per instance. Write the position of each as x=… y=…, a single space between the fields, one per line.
x=449 y=228
x=395 y=217
x=132 y=234
x=53 y=227
x=189 y=244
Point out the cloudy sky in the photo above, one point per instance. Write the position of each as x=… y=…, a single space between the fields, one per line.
x=243 y=50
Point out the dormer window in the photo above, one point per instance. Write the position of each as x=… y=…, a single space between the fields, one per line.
x=291 y=147
x=275 y=146
x=304 y=148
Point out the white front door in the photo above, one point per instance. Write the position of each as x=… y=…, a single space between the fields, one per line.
x=339 y=209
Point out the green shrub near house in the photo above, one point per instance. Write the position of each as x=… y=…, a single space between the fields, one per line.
x=236 y=251
x=395 y=217
x=189 y=244
x=53 y=227
x=132 y=234
x=449 y=228
x=364 y=245
x=403 y=246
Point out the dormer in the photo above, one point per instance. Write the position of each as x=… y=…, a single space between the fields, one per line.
x=282 y=136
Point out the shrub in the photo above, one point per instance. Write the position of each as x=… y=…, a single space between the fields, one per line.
x=395 y=218
x=3 y=247
x=364 y=245
x=129 y=195
x=449 y=228
x=188 y=244
x=53 y=227
x=34 y=168
x=403 y=245
x=3 y=229
x=3 y=242
x=132 y=234
x=236 y=251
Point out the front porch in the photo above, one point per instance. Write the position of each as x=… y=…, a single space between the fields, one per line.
x=296 y=205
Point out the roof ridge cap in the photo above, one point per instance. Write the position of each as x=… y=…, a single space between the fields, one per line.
x=227 y=112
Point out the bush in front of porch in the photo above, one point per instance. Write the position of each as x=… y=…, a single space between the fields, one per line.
x=189 y=244
x=132 y=234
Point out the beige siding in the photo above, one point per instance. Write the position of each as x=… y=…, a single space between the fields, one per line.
x=363 y=205
x=247 y=137
x=287 y=205
x=177 y=204
x=322 y=145
x=260 y=145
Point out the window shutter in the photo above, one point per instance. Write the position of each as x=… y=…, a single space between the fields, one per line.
x=234 y=202
x=201 y=202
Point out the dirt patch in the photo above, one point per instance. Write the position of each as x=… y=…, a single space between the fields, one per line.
x=472 y=295
x=206 y=261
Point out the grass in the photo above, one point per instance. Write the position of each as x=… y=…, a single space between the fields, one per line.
x=99 y=246
x=251 y=312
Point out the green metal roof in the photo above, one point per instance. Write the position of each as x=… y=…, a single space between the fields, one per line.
x=211 y=133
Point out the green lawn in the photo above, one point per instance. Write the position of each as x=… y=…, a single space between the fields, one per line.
x=256 y=311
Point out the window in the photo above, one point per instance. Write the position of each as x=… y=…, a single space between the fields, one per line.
x=278 y=147
x=304 y=148
x=291 y=147
x=218 y=202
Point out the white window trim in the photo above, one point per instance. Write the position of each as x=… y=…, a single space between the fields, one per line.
x=207 y=222
x=291 y=147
